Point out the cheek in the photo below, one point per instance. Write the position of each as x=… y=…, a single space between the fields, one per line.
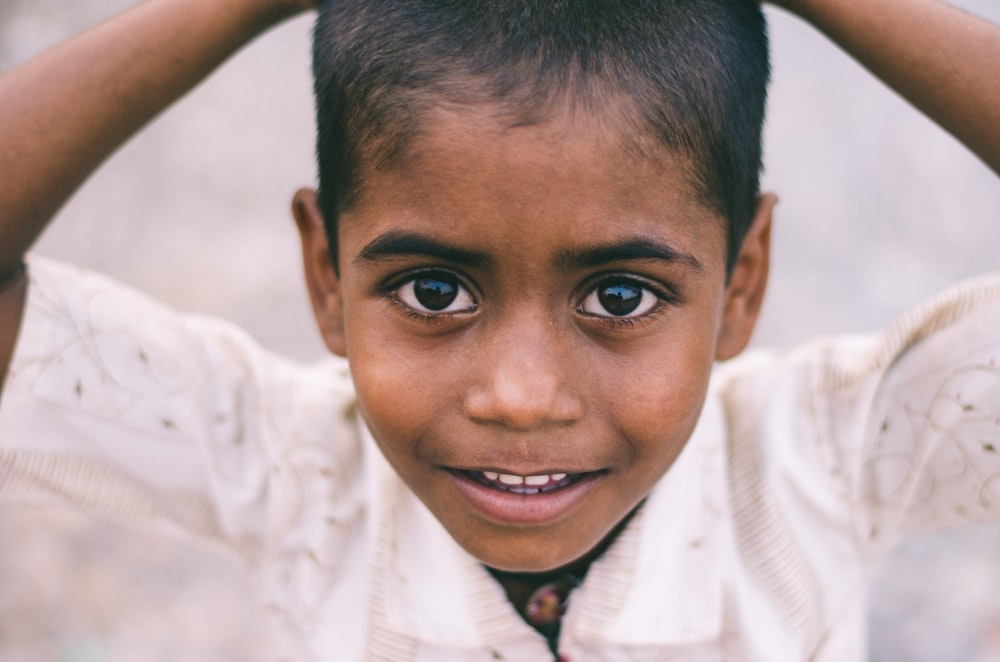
x=401 y=393
x=387 y=389
x=662 y=412
x=657 y=403
x=391 y=398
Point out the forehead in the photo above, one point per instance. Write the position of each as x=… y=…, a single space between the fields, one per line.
x=571 y=177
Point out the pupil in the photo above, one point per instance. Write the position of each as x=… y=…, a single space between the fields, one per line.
x=620 y=299
x=435 y=293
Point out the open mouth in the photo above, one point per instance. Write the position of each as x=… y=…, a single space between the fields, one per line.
x=525 y=500
x=526 y=485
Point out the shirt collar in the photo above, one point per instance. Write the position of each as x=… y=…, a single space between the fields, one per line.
x=660 y=583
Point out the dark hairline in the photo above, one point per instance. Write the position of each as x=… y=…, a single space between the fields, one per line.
x=707 y=138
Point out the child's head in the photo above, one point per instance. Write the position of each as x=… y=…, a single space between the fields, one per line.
x=687 y=75
x=537 y=211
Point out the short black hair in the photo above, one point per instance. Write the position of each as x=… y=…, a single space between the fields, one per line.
x=694 y=74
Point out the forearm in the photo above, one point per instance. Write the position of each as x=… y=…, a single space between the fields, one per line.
x=63 y=113
x=12 y=292
x=944 y=61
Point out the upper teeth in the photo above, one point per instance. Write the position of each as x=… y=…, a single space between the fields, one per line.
x=512 y=479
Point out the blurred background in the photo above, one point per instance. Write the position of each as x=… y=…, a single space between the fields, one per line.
x=879 y=210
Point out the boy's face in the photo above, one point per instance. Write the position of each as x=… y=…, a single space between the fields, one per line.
x=531 y=316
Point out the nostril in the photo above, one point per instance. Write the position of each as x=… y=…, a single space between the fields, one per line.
x=523 y=409
x=523 y=380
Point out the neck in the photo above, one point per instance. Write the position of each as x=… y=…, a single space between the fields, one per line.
x=520 y=586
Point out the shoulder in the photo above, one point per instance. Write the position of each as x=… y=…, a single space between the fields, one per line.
x=77 y=318
x=958 y=327
x=90 y=343
x=851 y=425
x=117 y=403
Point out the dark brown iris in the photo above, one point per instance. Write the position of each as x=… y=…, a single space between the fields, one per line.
x=435 y=292
x=620 y=298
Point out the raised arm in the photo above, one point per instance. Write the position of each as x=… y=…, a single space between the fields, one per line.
x=944 y=61
x=66 y=111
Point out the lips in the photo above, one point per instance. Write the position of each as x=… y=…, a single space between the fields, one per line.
x=524 y=500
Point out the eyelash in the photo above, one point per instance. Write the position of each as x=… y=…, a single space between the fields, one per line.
x=391 y=290
x=665 y=298
x=428 y=318
x=664 y=295
x=630 y=323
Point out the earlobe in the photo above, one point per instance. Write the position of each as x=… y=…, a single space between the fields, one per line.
x=322 y=279
x=745 y=291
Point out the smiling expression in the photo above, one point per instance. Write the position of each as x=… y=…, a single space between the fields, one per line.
x=531 y=315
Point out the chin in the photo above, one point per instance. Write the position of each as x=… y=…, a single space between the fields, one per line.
x=538 y=553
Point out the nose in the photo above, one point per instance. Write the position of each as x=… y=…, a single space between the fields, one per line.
x=523 y=381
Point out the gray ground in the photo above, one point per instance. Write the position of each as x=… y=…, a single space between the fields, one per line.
x=880 y=209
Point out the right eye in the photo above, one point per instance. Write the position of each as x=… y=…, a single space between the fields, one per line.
x=435 y=293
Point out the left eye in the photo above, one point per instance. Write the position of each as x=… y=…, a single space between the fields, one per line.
x=435 y=293
x=619 y=297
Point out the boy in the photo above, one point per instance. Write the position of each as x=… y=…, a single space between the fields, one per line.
x=531 y=258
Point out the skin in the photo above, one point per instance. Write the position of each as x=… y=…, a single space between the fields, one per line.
x=941 y=59
x=479 y=392
x=116 y=78
x=123 y=73
x=528 y=374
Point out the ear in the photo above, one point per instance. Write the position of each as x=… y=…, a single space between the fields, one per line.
x=321 y=278
x=745 y=291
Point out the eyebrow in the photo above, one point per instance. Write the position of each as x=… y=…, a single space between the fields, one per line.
x=636 y=248
x=396 y=243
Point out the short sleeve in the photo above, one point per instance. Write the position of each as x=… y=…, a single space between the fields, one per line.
x=884 y=435
x=929 y=455
x=116 y=404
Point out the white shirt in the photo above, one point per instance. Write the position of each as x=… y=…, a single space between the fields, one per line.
x=754 y=546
